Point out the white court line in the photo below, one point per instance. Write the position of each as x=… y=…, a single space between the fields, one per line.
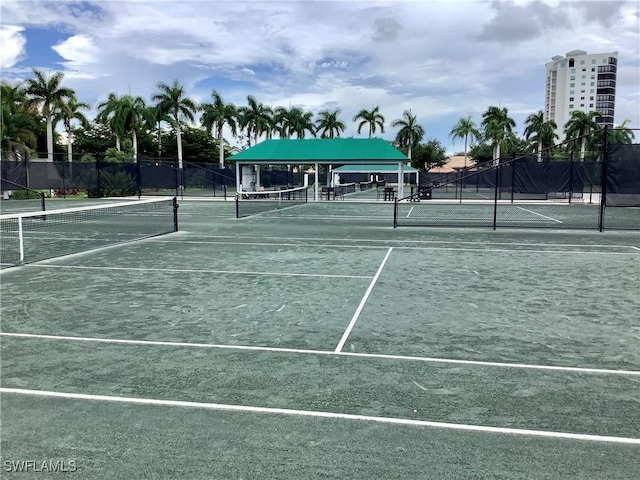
x=362 y=302
x=410 y=210
x=322 y=352
x=536 y=213
x=191 y=270
x=404 y=247
x=316 y=414
x=396 y=240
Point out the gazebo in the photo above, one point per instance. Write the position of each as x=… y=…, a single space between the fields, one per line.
x=320 y=151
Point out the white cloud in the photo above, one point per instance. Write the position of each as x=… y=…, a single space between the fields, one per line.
x=78 y=50
x=13 y=44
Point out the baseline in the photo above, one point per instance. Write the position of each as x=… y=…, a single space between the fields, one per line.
x=318 y=414
x=323 y=352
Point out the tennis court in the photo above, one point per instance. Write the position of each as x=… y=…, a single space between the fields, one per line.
x=316 y=341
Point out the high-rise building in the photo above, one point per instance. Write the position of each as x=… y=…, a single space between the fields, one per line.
x=581 y=81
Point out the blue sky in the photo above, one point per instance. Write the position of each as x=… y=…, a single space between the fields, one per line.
x=441 y=59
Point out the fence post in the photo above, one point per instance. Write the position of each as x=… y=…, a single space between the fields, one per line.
x=99 y=192
x=571 y=173
x=495 y=196
x=513 y=176
x=138 y=180
x=603 y=180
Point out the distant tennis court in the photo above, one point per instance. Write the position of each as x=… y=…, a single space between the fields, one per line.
x=316 y=341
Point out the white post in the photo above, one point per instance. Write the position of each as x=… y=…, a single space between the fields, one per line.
x=400 y=180
x=315 y=185
x=21 y=239
x=258 y=182
x=238 y=178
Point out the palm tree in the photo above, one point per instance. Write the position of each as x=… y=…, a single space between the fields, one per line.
x=215 y=116
x=134 y=116
x=67 y=112
x=107 y=116
x=329 y=123
x=293 y=121
x=17 y=122
x=465 y=128
x=46 y=94
x=155 y=118
x=373 y=118
x=497 y=124
x=621 y=134
x=579 y=126
x=540 y=131
x=173 y=102
x=410 y=133
x=255 y=118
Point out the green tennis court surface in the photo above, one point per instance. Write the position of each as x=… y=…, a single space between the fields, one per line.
x=319 y=342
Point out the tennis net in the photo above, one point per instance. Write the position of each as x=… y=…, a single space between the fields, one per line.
x=35 y=236
x=345 y=188
x=252 y=203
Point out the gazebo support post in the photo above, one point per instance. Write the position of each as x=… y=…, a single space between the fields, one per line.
x=400 y=180
x=315 y=185
x=238 y=177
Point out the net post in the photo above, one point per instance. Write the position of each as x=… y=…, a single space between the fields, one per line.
x=175 y=214
x=42 y=204
x=495 y=196
x=237 y=206
x=395 y=212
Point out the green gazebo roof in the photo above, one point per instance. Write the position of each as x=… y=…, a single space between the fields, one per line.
x=321 y=150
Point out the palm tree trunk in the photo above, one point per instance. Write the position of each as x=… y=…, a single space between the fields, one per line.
x=465 y=149
x=135 y=144
x=179 y=141
x=117 y=142
x=69 y=147
x=409 y=151
x=221 y=146
x=49 y=138
x=159 y=141
x=583 y=144
x=496 y=154
x=540 y=151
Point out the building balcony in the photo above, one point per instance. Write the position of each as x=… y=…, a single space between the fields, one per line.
x=606 y=91
x=606 y=76
x=607 y=69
